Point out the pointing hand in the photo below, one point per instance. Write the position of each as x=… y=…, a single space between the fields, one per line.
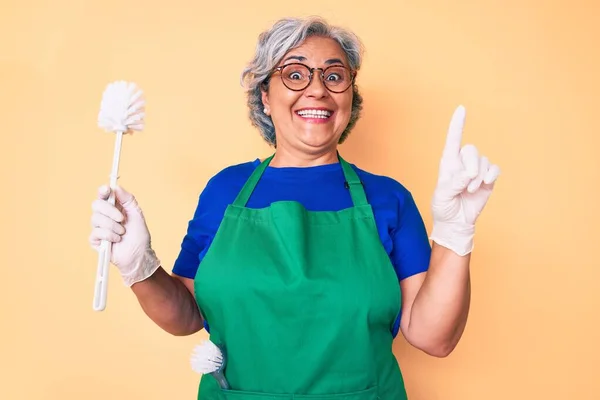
x=465 y=183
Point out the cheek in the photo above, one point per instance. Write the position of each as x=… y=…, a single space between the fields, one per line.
x=345 y=107
x=282 y=101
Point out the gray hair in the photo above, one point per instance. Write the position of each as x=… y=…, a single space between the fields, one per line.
x=273 y=44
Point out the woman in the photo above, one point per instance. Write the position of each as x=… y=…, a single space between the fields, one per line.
x=302 y=266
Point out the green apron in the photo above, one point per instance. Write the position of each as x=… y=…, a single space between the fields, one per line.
x=302 y=302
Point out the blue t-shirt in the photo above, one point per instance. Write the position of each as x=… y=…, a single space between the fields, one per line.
x=318 y=188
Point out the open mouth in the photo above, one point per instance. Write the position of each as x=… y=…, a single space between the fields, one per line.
x=320 y=114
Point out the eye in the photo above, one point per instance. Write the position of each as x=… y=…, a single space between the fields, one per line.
x=336 y=75
x=295 y=72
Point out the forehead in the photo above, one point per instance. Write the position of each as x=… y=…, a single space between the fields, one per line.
x=317 y=50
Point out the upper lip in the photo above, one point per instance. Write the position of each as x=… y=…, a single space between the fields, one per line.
x=315 y=108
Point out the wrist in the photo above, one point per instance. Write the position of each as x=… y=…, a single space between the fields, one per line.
x=142 y=268
x=458 y=237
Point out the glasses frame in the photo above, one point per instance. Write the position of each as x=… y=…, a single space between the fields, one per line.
x=311 y=74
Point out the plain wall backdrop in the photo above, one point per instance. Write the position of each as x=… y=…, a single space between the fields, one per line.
x=526 y=71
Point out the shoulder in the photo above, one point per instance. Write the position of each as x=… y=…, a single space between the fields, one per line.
x=381 y=185
x=234 y=171
x=390 y=198
x=231 y=178
x=222 y=187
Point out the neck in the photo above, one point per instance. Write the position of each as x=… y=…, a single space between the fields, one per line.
x=293 y=158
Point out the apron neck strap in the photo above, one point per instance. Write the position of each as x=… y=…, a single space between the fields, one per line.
x=244 y=194
x=352 y=183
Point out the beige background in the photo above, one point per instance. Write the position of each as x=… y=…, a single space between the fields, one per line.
x=527 y=72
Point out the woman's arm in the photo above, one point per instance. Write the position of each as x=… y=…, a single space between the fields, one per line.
x=169 y=301
x=436 y=303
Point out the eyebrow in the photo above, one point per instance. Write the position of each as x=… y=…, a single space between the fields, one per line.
x=328 y=62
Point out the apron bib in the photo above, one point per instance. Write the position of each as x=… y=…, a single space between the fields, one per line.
x=301 y=302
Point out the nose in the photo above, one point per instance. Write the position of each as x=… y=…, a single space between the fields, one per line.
x=316 y=88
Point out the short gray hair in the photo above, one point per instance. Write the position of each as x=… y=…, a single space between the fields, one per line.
x=273 y=44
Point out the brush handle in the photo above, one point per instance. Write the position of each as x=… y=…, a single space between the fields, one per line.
x=220 y=377
x=104 y=255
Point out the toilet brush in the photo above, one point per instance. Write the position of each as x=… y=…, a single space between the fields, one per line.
x=121 y=112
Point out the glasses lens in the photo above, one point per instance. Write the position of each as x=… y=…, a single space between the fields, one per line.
x=295 y=76
x=337 y=78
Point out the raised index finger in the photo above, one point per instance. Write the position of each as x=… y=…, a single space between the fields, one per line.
x=455 y=130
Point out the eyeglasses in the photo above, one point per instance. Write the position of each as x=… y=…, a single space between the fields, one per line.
x=297 y=77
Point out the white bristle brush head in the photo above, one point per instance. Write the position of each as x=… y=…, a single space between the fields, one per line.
x=206 y=358
x=122 y=108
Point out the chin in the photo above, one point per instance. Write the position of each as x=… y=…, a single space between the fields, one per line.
x=319 y=141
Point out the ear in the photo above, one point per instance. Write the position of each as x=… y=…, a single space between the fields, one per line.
x=265 y=97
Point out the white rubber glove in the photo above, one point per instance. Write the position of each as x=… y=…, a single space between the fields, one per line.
x=465 y=183
x=123 y=225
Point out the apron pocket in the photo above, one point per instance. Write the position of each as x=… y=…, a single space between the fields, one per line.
x=367 y=394
x=231 y=394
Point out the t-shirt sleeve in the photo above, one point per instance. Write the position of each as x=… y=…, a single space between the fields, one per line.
x=411 y=248
x=200 y=233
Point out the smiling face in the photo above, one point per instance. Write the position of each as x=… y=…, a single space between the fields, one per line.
x=309 y=121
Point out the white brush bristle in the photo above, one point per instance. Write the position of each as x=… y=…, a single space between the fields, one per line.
x=206 y=358
x=122 y=108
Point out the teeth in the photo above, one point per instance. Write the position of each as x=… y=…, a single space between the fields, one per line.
x=315 y=113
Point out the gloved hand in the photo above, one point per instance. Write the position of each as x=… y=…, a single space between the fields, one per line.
x=124 y=225
x=465 y=183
